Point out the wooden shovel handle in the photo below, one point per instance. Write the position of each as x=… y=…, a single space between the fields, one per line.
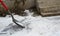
x=4 y=5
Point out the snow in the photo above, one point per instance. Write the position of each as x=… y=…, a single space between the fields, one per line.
x=38 y=26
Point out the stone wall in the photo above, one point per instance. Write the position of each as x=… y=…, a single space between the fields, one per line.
x=48 y=7
x=27 y=4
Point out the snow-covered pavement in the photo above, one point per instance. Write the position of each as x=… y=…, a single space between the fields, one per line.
x=39 y=26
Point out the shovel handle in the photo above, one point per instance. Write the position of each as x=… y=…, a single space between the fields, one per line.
x=4 y=5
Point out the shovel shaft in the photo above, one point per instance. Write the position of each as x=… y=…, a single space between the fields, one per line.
x=4 y=5
x=6 y=8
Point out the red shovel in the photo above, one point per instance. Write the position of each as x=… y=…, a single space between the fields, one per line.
x=6 y=8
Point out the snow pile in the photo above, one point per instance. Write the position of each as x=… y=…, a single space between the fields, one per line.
x=39 y=26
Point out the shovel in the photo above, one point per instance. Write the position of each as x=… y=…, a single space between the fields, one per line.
x=13 y=19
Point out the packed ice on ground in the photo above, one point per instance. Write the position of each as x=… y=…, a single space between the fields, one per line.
x=39 y=26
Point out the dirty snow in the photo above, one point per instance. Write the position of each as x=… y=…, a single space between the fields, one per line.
x=39 y=26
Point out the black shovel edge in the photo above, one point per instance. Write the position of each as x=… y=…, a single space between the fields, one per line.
x=14 y=20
